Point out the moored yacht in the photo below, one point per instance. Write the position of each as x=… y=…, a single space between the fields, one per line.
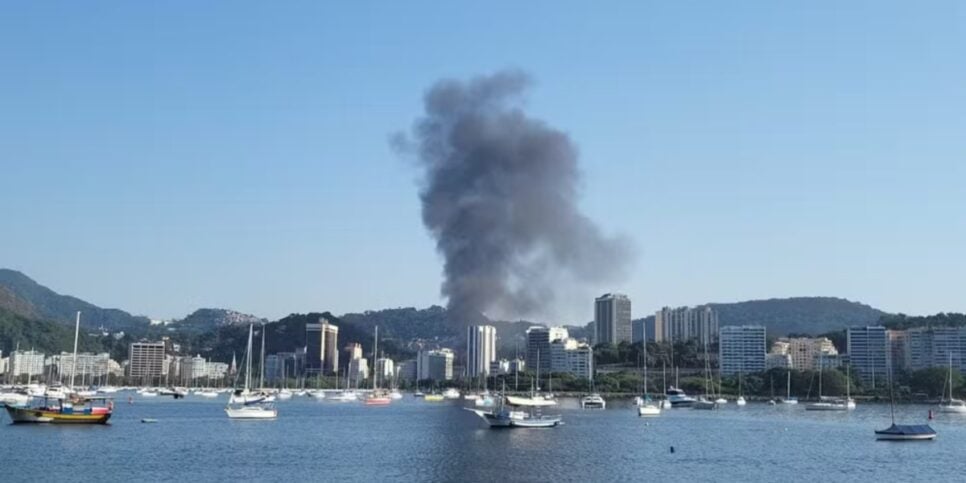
x=678 y=398
x=593 y=401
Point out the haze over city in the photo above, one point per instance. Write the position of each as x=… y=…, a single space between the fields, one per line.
x=161 y=158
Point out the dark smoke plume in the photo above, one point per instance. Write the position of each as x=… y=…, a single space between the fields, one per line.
x=500 y=198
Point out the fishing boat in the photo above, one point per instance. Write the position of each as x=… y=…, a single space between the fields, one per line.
x=903 y=432
x=72 y=410
x=254 y=410
x=378 y=397
x=14 y=398
x=485 y=400
x=952 y=405
x=505 y=416
x=65 y=407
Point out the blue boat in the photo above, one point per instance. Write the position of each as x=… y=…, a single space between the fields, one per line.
x=906 y=432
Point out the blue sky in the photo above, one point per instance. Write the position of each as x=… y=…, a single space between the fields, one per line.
x=164 y=157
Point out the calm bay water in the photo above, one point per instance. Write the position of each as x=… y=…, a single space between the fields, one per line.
x=413 y=440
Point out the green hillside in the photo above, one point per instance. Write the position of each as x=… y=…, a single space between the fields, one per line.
x=22 y=295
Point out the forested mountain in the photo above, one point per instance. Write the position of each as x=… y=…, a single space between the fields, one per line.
x=797 y=315
x=42 y=335
x=20 y=294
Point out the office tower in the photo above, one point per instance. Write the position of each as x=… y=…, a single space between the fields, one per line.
x=538 y=346
x=741 y=349
x=685 y=323
x=612 y=319
x=869 y=351
x=146 y=359
x=480 y=349
x=436 y=365
x=321 y=347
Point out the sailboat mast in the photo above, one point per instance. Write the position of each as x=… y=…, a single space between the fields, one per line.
x=248 y=358
x=261 y=362
x=375 y=352
x=73 y=365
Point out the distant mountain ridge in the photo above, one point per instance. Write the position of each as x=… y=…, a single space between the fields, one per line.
x=796 y=315
x=21 y=295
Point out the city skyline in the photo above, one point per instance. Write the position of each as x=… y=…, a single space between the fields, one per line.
x=238 y=163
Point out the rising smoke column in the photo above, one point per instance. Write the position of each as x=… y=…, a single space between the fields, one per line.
x=500 y=198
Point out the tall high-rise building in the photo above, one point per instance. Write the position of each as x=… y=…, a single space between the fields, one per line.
x=869 y=352
x=330 y=348
x=385 y=369
x=612 y=319
x=685 y=323
x=480 y=349
x=146 y=359
x=436 y=365
x=538 y=346
x=741 y=349
x=322 y=347
x=354 y=351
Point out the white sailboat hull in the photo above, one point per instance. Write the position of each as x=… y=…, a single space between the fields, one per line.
x=252 y=412
x=648 y=410
x=530 y=401
x=952 y=409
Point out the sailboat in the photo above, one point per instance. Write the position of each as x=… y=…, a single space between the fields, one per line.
x=903 y=432
x=248 y=396
x=377 y=397
x=64 y=407
x=741 y=398
x=535 y=399
x=244 y=409
x=646 y=407
x=954 y=406
x=831 y=404
x=788 y=390
x=706 y=402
